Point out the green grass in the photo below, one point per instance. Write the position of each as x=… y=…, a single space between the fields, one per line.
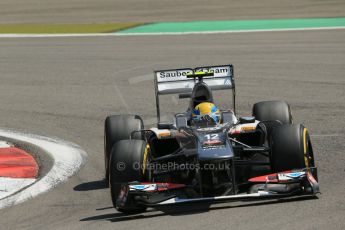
x=236 y=25
x=62 y=29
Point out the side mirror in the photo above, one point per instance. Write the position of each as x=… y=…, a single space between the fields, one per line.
x=228 y=117
x=181 y=121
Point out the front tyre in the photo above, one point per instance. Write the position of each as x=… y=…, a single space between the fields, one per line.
x=127 y=164
x=291 y=148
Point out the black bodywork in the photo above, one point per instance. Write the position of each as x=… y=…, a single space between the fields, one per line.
x=211 y=162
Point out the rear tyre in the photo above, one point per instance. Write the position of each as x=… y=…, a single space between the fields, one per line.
x=116 y=128
x=126 y=165
x=291 y=148
x=272 y=110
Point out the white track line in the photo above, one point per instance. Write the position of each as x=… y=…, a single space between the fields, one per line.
x=5 y=144
x=161 y=33
x=9 y=186
x=68 y=159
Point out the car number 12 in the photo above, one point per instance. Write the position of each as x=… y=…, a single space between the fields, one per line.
x=213 y=136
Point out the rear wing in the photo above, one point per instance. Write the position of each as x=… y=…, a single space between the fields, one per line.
x=175 y=81
x=181 y=81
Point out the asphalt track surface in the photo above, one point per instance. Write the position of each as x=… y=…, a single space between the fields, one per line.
x=65 y=87
x=101 y=11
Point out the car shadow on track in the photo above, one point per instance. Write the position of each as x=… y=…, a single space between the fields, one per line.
x=92 y=185
x=185 y=210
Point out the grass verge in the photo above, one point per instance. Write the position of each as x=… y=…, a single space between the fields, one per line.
x=63 y=29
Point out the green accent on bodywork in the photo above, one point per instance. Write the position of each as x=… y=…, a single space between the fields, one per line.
x=63 y=29
x=203 y=26
x=200 y=73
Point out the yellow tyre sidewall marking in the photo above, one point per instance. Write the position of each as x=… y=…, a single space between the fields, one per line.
x=306 y=161
x=147 y=148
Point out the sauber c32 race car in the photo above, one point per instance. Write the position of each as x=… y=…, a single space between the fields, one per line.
x=263 y=156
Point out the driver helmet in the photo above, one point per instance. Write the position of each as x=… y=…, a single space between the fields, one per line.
x=206 y=112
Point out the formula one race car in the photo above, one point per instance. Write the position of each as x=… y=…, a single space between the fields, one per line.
x=206 y=154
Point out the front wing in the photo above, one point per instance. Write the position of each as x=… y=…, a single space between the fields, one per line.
x=273 y=186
